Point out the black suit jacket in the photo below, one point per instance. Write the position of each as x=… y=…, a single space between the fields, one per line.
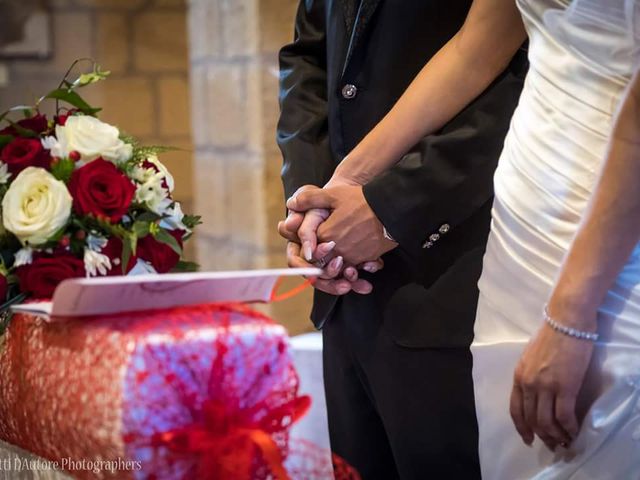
x=436 y=202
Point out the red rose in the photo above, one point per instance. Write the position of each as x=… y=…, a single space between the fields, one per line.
x=160 y=255
x=4 y=287
x=113 y=250
x=37 y=124
x=62 y=119
x=41 y=277
x=100 y=189
x=21 y=153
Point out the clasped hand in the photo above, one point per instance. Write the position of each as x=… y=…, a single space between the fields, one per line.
x=334 y=227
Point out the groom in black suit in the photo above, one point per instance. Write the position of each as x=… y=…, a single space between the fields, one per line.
x=396 y=362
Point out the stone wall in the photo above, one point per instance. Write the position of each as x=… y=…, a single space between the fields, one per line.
x=234 y=88
x=144 y=44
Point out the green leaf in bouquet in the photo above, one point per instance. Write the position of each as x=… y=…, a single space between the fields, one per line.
x=18 y=108
x=165 y=237
x=63 y=169
x=107 y=227
x=141 y=228
x=5 y=140
x=192 y=221
x=89 y=78
x=142 y=152
x=148 y=216
x=184 y=266
x=129 y=247
x=130 y=139
x=72 y=98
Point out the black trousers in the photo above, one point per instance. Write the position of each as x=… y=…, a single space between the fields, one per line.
x=396 y=412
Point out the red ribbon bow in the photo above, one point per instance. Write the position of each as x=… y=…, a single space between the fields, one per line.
x=227 y=444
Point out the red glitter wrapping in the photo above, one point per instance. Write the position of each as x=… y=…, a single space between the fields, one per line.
x=192 y=393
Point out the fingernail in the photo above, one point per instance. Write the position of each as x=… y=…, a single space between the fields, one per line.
x=370 y=268
x=339 y=263
x=331 y=246
x=343 y=290
x=306 y=250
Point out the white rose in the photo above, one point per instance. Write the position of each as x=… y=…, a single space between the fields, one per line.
x=36 y=206
x=91 y=138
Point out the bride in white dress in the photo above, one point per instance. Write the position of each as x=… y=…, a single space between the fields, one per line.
x=565 y=232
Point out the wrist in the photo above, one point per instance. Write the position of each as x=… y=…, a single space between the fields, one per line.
x=573 y=311
x=354 y=168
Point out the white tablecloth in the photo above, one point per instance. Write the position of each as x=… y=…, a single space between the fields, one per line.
x=307 y=355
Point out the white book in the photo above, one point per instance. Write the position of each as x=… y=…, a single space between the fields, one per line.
x=80 y=297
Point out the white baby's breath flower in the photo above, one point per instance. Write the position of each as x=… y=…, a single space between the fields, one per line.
x=96 y=263
x=35 y=206
x=24 y=256
x=164 y=171
x=4 y=173
x=96 y=243
x=152 y=194
x=51 y=143
x=91 y=138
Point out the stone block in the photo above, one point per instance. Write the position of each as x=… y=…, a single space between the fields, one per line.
x=72 y=39
x=111 y=41
x=160 y=41
x=246 y=200
x=205 y=29
x=127 y=103
x=170 y=3
x=226 y=106
x=240 y=27
x=277 y=18
x=117 y=4
x=199 y=111
x=270 y=108
x=174 y=106
x=211 y=194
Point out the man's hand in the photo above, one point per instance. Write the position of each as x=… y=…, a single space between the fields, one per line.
x=352 y=225
x=300 y=229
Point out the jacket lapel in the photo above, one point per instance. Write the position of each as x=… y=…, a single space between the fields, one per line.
x=360 y=23
x=350 y=10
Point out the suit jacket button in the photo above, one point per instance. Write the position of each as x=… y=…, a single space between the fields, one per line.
x=349 y=91
x=444 y=228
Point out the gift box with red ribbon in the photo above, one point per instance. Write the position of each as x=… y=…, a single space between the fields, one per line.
x=203 y=392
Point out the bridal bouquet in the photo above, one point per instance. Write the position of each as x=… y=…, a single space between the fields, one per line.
x=79 y=198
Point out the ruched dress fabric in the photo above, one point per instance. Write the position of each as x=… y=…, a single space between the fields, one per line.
x=583 y=55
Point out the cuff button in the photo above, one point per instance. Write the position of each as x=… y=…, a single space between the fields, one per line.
x=444 y=228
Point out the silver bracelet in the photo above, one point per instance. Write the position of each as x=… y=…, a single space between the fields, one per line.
x=571 y=332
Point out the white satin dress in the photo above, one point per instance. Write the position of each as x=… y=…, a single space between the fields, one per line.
x=582 y=57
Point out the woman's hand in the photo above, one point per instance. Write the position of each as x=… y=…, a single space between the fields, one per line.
x=546 y=384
